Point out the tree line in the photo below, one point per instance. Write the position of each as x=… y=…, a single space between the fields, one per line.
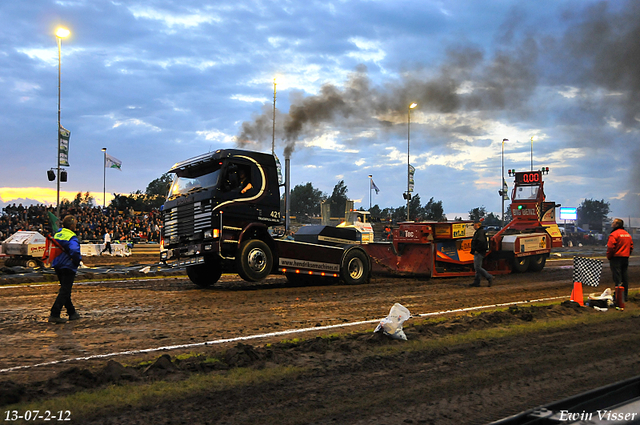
x=306 y=200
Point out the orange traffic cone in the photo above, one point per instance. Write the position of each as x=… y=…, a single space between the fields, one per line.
x=576 y=294
x=619 y=297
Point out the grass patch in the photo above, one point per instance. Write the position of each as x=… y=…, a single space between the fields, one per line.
x=116 y=398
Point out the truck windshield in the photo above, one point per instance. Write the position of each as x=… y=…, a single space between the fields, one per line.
x=526 y=193
x=193 y=183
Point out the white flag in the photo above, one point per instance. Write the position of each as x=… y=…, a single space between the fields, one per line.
x=112 y=162
x=374 y=187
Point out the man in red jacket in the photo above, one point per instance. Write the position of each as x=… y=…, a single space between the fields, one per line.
x=619 y=248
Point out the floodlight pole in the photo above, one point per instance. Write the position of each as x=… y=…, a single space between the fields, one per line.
x=60 y=33
x=532 y=138
x=273 y=134
x=58 y=132
x=502 y=185
x=411 y=106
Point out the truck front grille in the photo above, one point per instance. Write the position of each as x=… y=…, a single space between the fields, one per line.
x=186 y=220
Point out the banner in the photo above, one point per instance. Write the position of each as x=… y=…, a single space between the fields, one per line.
x=63 y=142
x=412 y=171
x=279 y=168
x=112 y=162
x=505 y=190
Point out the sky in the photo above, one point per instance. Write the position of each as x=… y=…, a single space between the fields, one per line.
x=159 y=81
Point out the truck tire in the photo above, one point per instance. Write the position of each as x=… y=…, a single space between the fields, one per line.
x=520 y=264
x=355 y=268
x=204 y=275
x=31 y=263
x=254 y=260
x=537 y=263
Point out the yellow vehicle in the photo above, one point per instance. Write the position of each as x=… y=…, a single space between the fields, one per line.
x=359 y=221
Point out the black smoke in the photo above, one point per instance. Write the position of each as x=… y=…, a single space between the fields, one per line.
x=597 y=56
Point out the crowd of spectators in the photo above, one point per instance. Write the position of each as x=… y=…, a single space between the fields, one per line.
x=93 y=222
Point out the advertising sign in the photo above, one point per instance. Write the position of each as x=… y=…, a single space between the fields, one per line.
x=568 y=213
x=63 y=136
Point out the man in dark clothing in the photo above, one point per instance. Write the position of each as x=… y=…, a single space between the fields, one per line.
x=619 y=248
x=66 y=266
x=479 y=248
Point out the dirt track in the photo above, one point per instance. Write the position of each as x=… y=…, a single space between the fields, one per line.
x=472 y=383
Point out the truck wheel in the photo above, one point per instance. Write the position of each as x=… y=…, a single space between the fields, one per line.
x=204 y=275
x=520 y=264
x=32 y=264
x=254 y=261
x=537 y=263
x=355 y=267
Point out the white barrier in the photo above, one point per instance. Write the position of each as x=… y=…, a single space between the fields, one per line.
x=117 y=249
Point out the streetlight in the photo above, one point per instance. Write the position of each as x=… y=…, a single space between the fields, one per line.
x=60 y=34
x=104 y=178
x=273 y=135
x=411 y=106
x=532 y=139
x=502 y=191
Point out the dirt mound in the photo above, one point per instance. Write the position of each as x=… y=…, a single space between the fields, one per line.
x=347 y=349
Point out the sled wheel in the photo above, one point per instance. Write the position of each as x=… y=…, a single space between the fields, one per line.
x=254 y=261
x=520 y=264
x=355 y=267
x=537 y=263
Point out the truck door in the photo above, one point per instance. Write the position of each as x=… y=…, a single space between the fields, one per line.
x=240 y=190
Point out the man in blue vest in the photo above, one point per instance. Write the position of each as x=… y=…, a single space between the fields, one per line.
x=66 y=266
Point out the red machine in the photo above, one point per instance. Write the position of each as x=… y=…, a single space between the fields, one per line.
x=442 y=249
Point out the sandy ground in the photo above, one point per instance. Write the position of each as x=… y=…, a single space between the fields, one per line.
x=344 y=382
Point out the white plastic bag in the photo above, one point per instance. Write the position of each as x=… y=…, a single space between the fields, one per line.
x=603 y=301
x=392 y=324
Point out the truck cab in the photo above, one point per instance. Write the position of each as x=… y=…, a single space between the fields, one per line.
x=217 y=217
x=216 y=201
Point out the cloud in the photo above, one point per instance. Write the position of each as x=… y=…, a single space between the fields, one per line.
x=134 y=122
x=149 y=80
x=248 y=99
x=368 y=50
x=172 y=20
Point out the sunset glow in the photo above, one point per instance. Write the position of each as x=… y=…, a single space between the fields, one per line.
x=44 y=195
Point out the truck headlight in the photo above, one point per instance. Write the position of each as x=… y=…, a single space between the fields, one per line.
x=211 y=233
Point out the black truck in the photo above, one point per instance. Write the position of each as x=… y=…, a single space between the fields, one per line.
x=218 y=217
